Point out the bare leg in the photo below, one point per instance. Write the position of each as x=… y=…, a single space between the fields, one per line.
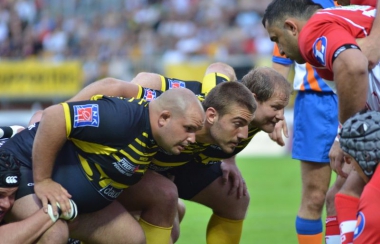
x=113 y=224
x=28 y=205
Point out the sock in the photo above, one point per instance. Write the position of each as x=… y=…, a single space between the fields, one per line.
x=332 y=230
x=346 y=209
x=224 y=231
x=155 y=234
x=309 y=231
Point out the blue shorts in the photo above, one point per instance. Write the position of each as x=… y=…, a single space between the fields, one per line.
x=315 y=126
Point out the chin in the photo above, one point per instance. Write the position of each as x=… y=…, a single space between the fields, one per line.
x=267 y=128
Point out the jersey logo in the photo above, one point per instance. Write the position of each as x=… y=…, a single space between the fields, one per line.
x=176 y=84
x=319 y=50
x=360 y=224
x=149 y=94
x=86 y=115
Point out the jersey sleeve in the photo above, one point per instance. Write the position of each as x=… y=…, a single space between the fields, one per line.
x=103 y=120
x=320 y=42
x=278 y=58
x=211 y=80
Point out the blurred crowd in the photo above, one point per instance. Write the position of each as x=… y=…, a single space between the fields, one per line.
x=97 y=31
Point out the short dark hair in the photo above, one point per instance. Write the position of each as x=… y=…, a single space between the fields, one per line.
x=228 y=93
x=264 y=81
x=280 y=9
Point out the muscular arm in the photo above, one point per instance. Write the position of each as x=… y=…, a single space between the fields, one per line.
x=370 y=45
x=351 y=77
x=26 y=231
x=148 y=80
x=50 y=137
x=108 y=87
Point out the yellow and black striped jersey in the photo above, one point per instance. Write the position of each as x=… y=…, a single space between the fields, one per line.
x=198 y=88
x=198 y=152
x=112 y=137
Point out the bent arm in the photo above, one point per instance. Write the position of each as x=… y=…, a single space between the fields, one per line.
x=26 y=231
x=351 y=77
x=50 y=137
x=148 y=80
x=109 y=87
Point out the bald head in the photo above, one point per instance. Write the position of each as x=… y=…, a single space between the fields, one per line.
x=178 y=100
x=175 y=116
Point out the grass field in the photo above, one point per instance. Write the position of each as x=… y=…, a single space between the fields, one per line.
x=274 y=184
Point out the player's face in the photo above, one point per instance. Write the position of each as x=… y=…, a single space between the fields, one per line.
x=7 y=198
x=179 y=131
x=350 y=160
x=270 y=112
x=287 y=42
x=228 y=130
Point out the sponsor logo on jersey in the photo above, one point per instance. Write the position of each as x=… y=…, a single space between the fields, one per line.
x=149 y=94
x=11 y=180
x=110 y=193
x=360 y=224
x=319 y=50
x=125 y=167
x=86 y=115
x=176 y=84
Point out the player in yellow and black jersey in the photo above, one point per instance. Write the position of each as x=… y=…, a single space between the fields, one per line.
x=224 y=132
x=96 y=148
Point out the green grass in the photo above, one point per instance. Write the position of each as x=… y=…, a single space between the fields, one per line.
x=274 y=184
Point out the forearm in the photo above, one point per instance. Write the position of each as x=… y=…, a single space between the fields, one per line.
x=27 y=230
x=284 y=70
x=50 y=137
x=108 y=87
x=351 y=78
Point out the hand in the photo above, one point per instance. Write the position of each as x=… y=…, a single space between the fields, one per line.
x=231 y=172
x=50 y=192
x=370 y=48
x=279 y=129
x=336 y=159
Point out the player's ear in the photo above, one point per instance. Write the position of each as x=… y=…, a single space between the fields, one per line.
x=291 y=26
x=164 y=118
x=211 y=115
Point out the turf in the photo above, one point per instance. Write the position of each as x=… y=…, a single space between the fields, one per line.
x=274 y=185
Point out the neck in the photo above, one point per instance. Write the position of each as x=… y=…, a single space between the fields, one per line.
x=204 y=135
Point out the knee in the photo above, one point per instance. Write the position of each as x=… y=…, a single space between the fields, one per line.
x=58 y=233
x=168 y=197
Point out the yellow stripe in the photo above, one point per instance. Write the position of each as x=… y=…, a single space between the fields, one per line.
x=139 y=93
x=66 y=111
x=93 y=147
x=145 y=134
x=86 y=167
x=105 y=180
x=163 y=83
x=140 y=142
x=165 y=164
x=134 y=160
x=223 y=75
x=96 y=97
